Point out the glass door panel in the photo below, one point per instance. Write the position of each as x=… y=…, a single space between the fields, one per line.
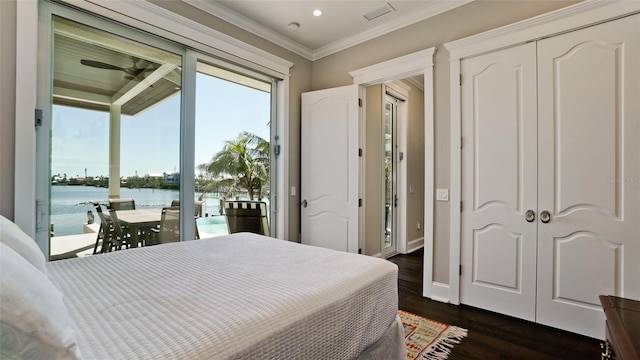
x=390 y=173
x=232 y=147
x=115 y=133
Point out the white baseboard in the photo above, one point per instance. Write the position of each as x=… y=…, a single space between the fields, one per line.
x=440 y=292
x=378 y=255
x=415 y=244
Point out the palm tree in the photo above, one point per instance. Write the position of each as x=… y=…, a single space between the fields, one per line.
x=245 y=160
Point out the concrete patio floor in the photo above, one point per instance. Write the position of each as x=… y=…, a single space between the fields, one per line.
x=62 y=247
x=81 y=245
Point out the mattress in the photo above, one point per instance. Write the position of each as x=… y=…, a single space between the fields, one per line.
x=241 y=296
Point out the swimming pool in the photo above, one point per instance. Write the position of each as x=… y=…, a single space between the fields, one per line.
x=212 y=225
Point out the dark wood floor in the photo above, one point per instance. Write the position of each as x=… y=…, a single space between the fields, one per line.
x=491 y=335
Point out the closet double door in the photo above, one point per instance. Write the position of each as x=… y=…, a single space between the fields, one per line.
x=551 y=176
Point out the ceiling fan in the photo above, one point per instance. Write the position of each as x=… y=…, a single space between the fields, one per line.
x=130 y=73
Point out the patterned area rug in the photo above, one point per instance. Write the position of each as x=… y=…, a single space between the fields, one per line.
x=427 y=339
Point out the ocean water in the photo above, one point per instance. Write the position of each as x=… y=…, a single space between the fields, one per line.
x=70 y=204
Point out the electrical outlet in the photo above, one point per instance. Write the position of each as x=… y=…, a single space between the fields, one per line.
x=419 y=225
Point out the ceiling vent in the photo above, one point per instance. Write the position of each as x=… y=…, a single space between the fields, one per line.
x=387 y=8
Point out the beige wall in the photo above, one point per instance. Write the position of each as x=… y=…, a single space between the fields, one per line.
x=473 y=18
x=7 y=104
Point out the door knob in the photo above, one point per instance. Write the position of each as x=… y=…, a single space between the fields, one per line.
x=545 y=216
x=304 y=203
x=530 y=215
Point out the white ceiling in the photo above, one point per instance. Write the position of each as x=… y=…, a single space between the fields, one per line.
x=341 y=25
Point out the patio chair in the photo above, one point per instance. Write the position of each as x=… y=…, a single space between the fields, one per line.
x=105 y=232
x=246 y=216
x=197 y=206
x=169 y=230
x=120 y=237
x=122 y=204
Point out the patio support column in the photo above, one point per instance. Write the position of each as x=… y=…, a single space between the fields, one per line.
x=114 y=151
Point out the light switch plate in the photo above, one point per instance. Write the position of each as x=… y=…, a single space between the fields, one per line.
x=442 y=194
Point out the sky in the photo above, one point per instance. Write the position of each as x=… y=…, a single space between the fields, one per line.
x=150 y=140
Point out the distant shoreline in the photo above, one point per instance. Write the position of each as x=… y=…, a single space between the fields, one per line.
x=149 y=185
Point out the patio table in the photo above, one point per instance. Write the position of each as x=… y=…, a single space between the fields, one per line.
x=139 y=219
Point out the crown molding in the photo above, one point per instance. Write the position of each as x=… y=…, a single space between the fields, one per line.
x=251 y=26
x=548 y=24
x=423 y=13
x=241 y=21
x=417 y=84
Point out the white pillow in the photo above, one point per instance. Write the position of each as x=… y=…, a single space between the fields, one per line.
x=12 y=236
x=34 y=322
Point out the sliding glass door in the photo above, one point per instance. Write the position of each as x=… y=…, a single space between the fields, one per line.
x=233 y=130
x=131 y=116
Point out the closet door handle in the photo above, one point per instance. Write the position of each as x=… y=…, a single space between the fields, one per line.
x=545 y=216
x=304 y=203
x=530 y=215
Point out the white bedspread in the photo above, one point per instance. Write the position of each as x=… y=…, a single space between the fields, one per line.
x=241 y=296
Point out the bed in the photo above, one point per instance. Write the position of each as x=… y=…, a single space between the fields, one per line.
x=241 y=296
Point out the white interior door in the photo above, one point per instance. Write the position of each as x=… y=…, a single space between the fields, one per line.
x=498 y=246
x=589 y=173
x=330 y=168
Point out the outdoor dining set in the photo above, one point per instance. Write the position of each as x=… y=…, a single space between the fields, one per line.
x=123 y=226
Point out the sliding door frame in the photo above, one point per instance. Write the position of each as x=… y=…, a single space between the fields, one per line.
x=152 y=19
x=190 y=63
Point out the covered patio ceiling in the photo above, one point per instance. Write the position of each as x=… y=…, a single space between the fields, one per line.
x=94 y=70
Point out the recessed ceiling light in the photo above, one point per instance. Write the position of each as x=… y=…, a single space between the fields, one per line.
x=317 y=12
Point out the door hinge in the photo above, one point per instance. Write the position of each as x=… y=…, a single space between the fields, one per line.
x=460 y=206
x=276 y=150
x=359 y=202
x=360 y=152
x=461 y=143
x=38 y=118
x=359 y=102
x=460 y=79
x=460 y=270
